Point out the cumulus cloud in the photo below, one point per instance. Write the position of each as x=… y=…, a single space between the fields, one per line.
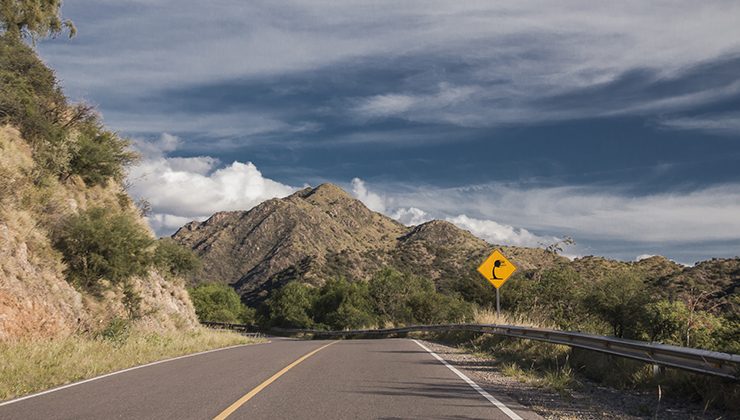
x=372 y=200
x=497 y=233
x=488 y=230
x=184 y=189
x=411 y=216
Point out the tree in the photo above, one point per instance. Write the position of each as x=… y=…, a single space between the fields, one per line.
x=101 y=155
x=390 y=291
x=174 y=258
x=619 y=299
x=290 y=306
x=34 y=19
x=99 y=244
x=219 y=303
x=342 y=304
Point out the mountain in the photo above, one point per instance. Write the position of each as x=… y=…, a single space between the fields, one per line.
x=321 y=232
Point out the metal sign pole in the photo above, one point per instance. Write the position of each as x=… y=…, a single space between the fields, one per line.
x=498 y=304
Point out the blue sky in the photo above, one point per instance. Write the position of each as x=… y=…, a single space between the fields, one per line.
x=522 y=121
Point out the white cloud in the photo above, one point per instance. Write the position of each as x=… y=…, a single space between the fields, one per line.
x=429 y=107
x=727 y=123
x=708 y=214
x=184 y=189
x=497 y=233
x=518 y=50
x=411 y=216
x=643 y=257
x=488 y=230
x=372 y=200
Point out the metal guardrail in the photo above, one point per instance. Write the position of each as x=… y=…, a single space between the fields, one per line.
x=696 y=360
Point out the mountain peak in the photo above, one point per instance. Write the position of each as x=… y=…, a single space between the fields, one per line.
x=326 y=192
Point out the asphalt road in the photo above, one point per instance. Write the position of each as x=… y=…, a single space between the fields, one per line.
x=388 y=379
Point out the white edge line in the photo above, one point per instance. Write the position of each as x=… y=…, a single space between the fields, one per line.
x=59 y=388
x=506 y=410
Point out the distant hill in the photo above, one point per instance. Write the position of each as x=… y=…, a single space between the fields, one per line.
x=321 y=232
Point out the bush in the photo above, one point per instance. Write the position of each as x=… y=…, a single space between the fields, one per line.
x=553 y=295
x=390 y=292
x=98 y=244
x=343 y=305
x=31 y=100
x=100 y=155
x=619 y=300
x=436 y=308
x=220 y=303
x=291 y=306
x=175 y=259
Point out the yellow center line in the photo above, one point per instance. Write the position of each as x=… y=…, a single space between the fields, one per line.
x=248 y=396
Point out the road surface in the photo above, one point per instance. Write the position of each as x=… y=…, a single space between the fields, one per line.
x=283 y=379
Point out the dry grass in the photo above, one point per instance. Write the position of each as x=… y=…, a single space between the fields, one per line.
x=31 y=366
x=488 y=316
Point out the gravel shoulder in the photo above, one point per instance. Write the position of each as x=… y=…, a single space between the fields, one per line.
x=589 y=401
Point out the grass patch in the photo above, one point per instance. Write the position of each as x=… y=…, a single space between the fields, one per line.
x=31 y=366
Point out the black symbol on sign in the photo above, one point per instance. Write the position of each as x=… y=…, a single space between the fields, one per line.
x=496 y=264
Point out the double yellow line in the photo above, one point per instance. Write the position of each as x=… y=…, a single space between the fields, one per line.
x=248 y=396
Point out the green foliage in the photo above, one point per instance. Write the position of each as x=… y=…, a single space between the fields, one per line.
x=220 y=303
x=675 y=323
x=34 y=19
x=98 y=244
x=554 y=295
x=343 y=305
x=175 y=259
x=31 y=100
x=65 y=140
x=100 y=155
x=406 y=299
x=619 y=300
x=117 y=331
x=389 y=297
x=436 y=308
x=291 y=306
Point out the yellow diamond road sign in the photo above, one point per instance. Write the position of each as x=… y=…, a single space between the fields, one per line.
x=496 y=269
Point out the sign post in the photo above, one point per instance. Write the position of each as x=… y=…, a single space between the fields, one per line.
x=497 y=269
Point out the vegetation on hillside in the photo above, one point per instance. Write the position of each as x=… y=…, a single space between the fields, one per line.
x=101 y=246
x=389 y=298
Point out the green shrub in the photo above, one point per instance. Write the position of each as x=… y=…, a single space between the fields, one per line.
x=220 y=303
x=619 y=299
x=341 y=304
x=175 y=259
x=436 y=308
x=99 y=154
x=553 y=295
x=390 y=292
x=291 y=306
x=31 y=100
x=99 y=244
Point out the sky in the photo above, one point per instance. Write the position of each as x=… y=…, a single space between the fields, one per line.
x=615 y=123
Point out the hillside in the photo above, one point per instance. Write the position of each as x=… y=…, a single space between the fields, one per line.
x=67 y=226
x=319 y=233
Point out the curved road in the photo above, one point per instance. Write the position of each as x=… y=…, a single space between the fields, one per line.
x=283 y=379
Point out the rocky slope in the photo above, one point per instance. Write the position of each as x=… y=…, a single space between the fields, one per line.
x=35 y=298
x=321 y=232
